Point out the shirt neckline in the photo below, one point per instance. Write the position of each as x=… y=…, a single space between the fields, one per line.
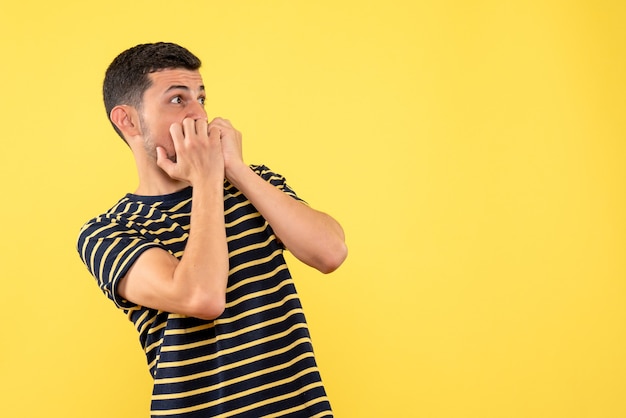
x=170 y=197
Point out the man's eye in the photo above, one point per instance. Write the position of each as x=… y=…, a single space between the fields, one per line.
x=177 y=100
x=202 y=100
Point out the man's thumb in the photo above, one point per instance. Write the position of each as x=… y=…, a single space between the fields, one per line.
x=163 y=162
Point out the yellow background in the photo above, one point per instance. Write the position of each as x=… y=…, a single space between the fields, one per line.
x=474 y=151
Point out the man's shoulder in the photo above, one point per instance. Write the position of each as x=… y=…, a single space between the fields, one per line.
x=112 y=220
x=119 y=207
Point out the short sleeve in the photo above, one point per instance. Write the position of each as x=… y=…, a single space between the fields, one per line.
x=276 y=180
x=108 y=249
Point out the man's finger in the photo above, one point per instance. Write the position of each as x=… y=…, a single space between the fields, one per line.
x=189 y=127
x=176 y=131
x=225 y=123
x=214 y=131
x=163 y=161
x=201 y=126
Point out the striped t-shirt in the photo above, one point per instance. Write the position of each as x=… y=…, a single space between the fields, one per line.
x=256 y=359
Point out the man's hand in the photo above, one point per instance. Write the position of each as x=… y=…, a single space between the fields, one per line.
x=196 y=284
x=312 y=236
x=198 y=152
x=231 y=145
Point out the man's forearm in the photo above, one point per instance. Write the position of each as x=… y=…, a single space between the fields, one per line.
x=203 y=269
x=313 y=237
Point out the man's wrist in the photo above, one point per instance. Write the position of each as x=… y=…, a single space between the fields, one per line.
x=237 y=174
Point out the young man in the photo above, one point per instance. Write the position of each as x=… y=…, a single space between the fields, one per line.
x=194 y=255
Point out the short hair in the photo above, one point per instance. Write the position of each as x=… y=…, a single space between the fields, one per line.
x=127 y=78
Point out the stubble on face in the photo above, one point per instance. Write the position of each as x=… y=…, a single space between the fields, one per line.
x=148 y=140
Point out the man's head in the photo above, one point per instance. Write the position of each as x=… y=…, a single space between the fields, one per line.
x=127 y=78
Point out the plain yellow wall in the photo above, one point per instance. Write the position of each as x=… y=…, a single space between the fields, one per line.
x=475 y=152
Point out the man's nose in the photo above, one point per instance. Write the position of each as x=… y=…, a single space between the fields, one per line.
x=196 y=111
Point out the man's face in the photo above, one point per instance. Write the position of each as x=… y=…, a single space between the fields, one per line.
x=175 y=94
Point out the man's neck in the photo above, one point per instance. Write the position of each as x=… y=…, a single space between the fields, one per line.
x=155 y=182
x=159 y=189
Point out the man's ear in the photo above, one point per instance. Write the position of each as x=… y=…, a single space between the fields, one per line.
x=127 y=120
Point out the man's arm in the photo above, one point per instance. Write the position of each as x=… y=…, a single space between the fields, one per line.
x=195 y=285
x=313 y=237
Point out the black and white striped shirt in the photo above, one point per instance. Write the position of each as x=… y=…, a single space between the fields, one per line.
x=256 y=359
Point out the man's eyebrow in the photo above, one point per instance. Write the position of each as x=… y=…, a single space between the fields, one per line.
x=181 y=87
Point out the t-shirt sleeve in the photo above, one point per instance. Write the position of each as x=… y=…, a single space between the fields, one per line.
x=108 y=249
x=275 y=179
